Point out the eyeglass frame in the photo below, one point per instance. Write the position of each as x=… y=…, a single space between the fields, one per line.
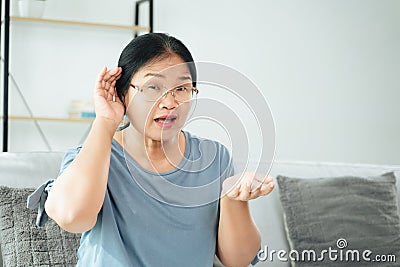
x=193 y=89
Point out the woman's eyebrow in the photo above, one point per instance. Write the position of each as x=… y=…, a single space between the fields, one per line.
x=182 y=78
x=154 y=75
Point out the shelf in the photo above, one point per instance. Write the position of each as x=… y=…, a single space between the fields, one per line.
x=26 y=118
x=134 y=28
x=80 y=23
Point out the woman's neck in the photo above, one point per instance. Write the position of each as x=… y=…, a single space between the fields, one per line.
x=152 y=153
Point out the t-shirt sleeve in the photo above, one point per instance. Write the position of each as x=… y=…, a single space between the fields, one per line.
x=69 y=156
x=38 y=198
x=256 y=259
x=227 y=164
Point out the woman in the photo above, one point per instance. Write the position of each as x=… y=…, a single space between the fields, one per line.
x=109 y=187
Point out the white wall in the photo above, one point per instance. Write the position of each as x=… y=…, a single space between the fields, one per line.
x=327 y=68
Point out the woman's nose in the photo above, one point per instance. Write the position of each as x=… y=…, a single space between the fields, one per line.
x=168 y=100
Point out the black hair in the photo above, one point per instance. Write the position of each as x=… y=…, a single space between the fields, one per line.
x=147 y=48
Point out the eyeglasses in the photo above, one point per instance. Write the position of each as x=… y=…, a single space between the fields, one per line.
x=152 y=93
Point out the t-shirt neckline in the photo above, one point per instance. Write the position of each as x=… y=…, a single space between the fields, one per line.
x=137 y=165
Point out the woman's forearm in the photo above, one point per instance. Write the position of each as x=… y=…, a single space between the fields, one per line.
x=238 y=236
x=78 y=193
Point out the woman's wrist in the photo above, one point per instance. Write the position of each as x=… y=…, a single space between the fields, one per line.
x=106 y=124
x=233 y=203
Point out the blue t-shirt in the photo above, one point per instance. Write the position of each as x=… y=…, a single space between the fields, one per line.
x=158 y=219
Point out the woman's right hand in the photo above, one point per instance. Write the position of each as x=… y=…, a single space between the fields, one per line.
x=105 y=94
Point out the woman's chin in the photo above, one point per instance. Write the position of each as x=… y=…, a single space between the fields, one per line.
x=163 y=133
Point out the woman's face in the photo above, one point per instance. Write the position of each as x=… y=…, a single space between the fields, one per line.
x=153 y=115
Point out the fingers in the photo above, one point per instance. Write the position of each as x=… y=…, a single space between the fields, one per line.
x=111 y=91
x=101 y=74
x=235 y=192
x=111 y=88
x=105 y=83
x=245 y=192
x=106 y=78
x=254 y=188
x=100 y=78
x=112 y=73
x=264 y=180
x=248 y=185
x=242 y=191
x=111 y=77
x=262 y=189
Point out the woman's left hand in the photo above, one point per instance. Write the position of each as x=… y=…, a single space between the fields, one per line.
x=246 y=186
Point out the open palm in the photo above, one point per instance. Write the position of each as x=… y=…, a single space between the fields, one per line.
x=106 y=101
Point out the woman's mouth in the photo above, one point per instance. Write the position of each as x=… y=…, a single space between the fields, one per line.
x=166 y=122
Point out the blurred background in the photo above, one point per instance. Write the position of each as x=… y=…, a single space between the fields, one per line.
x=328 y=69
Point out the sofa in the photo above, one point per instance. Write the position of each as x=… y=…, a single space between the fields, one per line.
x=31 y=169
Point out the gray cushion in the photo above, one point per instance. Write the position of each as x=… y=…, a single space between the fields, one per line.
x=341 y=213
x=23 y=243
